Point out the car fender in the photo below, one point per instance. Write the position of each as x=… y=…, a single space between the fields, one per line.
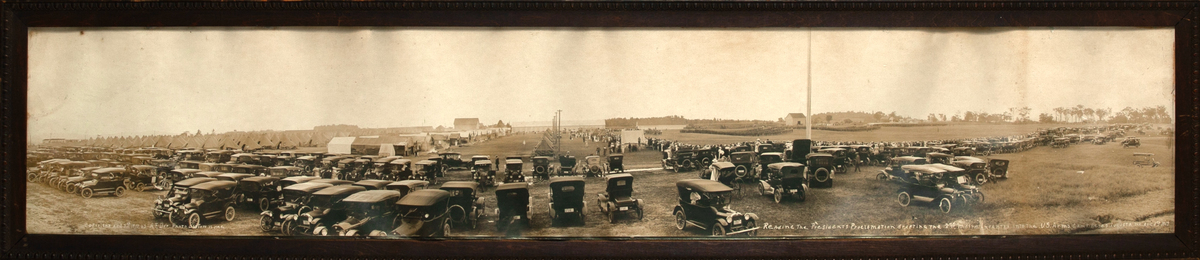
x=639 y=203
x=267 y=213
x=752 y=216
x=723 y=222
x=678 y=209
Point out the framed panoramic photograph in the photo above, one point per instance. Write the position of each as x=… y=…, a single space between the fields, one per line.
x=600 y=129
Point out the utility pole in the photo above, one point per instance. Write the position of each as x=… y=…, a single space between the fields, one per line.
x=808 y=118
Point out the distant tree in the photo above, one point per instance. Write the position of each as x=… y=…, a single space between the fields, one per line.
x=878 y=116
x=828 y=118
x=1045 y=118
x=1023 y=114
x=970 y=117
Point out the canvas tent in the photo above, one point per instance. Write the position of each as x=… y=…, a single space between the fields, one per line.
x=340 y=145
x=633 y=136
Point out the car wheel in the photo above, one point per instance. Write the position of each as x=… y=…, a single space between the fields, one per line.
x=822 y=175
x=31 y=177
x=751 y=224
x=86 y=193
x=120 y=191
x=141 y=187
x=321 y=231
x=904 y=198
x=612 y=217
x=718 y=230
x=800 y=196
x=71 y=188
x=980 y=179
x=979 y=198
x=778 y=196
x=458 y=214
x=264 y=204
x=266 y=223
x=881 y=176
x=193 y=220
x=230 y=213
x=680 y=220
x=639 y=213
x=446 y=229
x=946 y=205
x=288 y=227
x=162 y=184
x=762 y=190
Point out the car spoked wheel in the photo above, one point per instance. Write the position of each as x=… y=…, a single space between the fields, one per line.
x=718 y=230
x=288 y=227
x=264 y=204
x=31 y=177
x=447 y=230
x=778 y=197
x=230 y=213
x=140 y=187
x=904 y=198
x=86 y=193
x=762 y=190
x=120 y=191
x=881 y=176
x=266 y=223
x=193 y=220
x=680 y=220
x=162 y=184
x=800 y=196
x=946 y=205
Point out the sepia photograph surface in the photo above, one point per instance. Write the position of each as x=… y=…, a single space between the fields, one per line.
x=411 y=133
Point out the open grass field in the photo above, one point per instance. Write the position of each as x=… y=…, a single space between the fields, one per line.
x=1084 y=188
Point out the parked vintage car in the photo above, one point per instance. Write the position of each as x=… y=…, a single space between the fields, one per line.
x=615 y=163
x=785 y=179
x=369 y=213
x=327 y=210
x=138 y=177
x=1061 y=142
x=426 y=170
x=1131 y=142
x=208 y=200
x=285 y=171
x=725 y=173
x=176 y=196
x=512 y=171
x=963 y=151
x=283 y=213
x=566 y=200
x=541 y=167
x=822 y=169
x=998 y=168
x=942 y=158
x=424 y=214
x=512 y=208
x=678 y=161
x=593 y=166
x=450 y=160
x=466 y=208
x=841 y=159
x=617 y=198
x=105 y=180
x=894 y=170
x=705 y=204
x=484 y=173
x=261 y=191
x=566 y=165
x=926 y=183
x=373 y=184
x=401 y=170
x=976 y=169
x=765 y=159
x=744 y=164
x=234 y=177
x=407 y=186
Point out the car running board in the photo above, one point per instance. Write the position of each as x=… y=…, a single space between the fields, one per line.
x=922 y=199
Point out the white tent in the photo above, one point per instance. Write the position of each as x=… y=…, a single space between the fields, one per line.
x=633 y=136
x=340 y=145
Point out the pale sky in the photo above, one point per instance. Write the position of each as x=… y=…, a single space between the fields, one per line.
x=136 y=81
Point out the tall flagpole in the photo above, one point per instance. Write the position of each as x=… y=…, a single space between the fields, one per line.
x=808 y=119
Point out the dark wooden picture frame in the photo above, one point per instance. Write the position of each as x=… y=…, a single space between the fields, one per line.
x=1183 y=16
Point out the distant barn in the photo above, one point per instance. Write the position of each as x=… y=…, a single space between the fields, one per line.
x=461 y=124
x=794 y=119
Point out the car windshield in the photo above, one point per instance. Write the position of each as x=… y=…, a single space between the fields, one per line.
x=719 y=199
x=361 y=209
x=293 y=196
x=319 y=201
x=200 y=194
